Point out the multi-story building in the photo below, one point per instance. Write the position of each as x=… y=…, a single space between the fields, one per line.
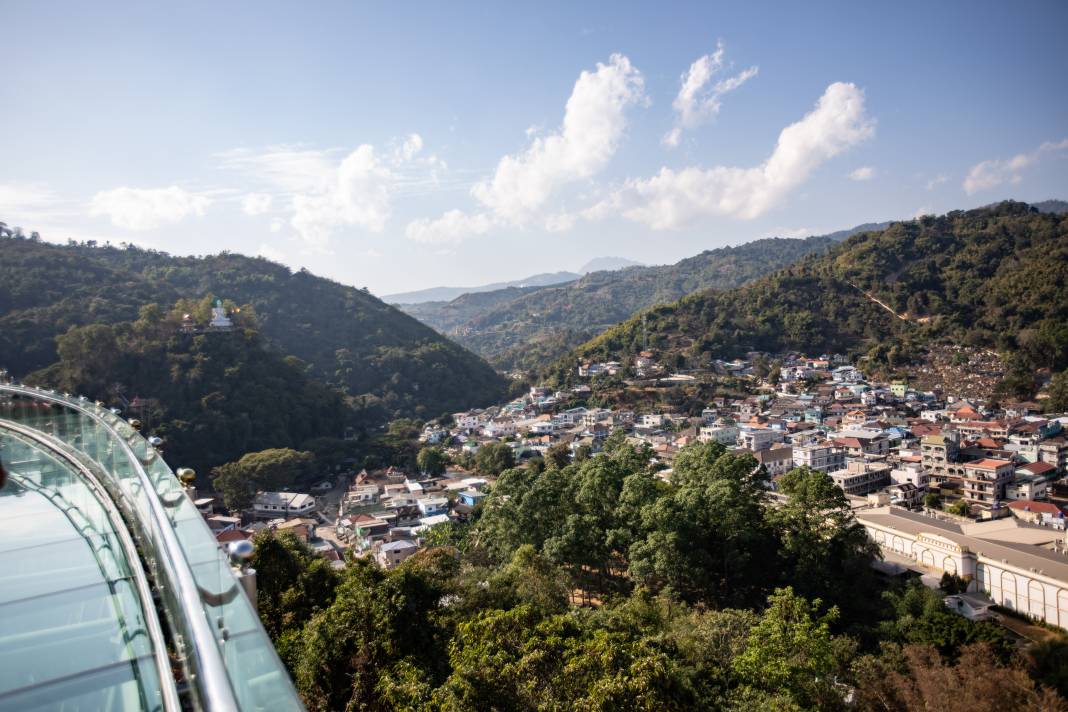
x=759 y=438
x=777 y=460
x=910 y=473
x=722 y=434
x=467 y=421
x=824 y=457
x=984 y=480
x=860 y=477
x=938 y=454
x=596 y=415
x=1055 y=452
x=861 y=443
x=499 y=427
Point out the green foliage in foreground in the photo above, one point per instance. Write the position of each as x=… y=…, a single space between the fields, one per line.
x=733 y=605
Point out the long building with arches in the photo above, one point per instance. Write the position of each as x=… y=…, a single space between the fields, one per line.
x=1019 y=566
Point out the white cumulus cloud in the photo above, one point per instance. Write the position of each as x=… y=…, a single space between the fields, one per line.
x=147 y=208
x=594 y=122
x=671 y=198
x=862 y=173
x=256 y=203
x=327 y=190
x=356 y=195
x=523 y=183
x=699 y=99
x=992 y=173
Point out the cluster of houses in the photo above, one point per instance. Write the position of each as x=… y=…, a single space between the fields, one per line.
x=388 y=513
x=917 y=466
x=384 y=514
x=941 y=484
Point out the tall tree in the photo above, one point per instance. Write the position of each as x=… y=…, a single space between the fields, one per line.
x=267 y=470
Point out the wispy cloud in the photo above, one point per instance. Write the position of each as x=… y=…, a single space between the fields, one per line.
x=326 y=190
x=936 y=181
x=992 y=173
x=148 y=208
x=454 y=226
x=863 y=173
x=699 y=99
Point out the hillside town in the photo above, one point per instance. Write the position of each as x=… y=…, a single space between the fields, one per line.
x=944 y=485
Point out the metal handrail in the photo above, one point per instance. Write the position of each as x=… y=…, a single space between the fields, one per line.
x=60 y=449
x=202 y=655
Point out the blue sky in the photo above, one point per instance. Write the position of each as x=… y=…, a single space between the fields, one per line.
x=461 y=143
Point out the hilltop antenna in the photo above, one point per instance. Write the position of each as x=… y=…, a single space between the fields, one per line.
x=645 y=335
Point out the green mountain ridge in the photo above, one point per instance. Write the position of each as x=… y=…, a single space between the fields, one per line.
x=995 y=277
x=348 y=337
x=524 y=329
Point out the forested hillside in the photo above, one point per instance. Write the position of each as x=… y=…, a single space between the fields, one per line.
x=525 y=329
x=995 y=278
x=211 y=396
x=348 y=337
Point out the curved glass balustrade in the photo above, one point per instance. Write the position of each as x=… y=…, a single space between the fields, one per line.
x=225 y=658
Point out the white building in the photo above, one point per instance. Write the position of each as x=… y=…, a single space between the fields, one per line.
x=759 y=438
x=824 y=457
x=272 y=505
x=1024 y=577
x=391 y=555
x=499 y=428
x=596 y=415
x=653 y=420
x=722 y=434
x=466 y=421
x=859 y=477
x=910 y=473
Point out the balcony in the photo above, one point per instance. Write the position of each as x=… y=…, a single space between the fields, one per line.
x=115 y=594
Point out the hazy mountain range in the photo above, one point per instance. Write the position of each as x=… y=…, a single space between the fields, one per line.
x=526 y=327
x=444 y=294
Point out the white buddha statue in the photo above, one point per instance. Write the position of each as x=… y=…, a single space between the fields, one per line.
x=219 y=320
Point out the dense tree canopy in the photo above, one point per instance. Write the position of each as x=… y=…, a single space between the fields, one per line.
x=527 y=327
x=701 y=596
x=494 y=458
x=269 y=470
x=390 y=363
x=994 y=278
x=212 y=396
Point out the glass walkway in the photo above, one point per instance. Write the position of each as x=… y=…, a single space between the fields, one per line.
x=114 y=595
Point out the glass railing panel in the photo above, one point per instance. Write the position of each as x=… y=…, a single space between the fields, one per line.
x=257 y=677
x=68 y=605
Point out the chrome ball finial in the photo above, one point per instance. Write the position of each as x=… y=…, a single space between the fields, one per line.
x=240 y=551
